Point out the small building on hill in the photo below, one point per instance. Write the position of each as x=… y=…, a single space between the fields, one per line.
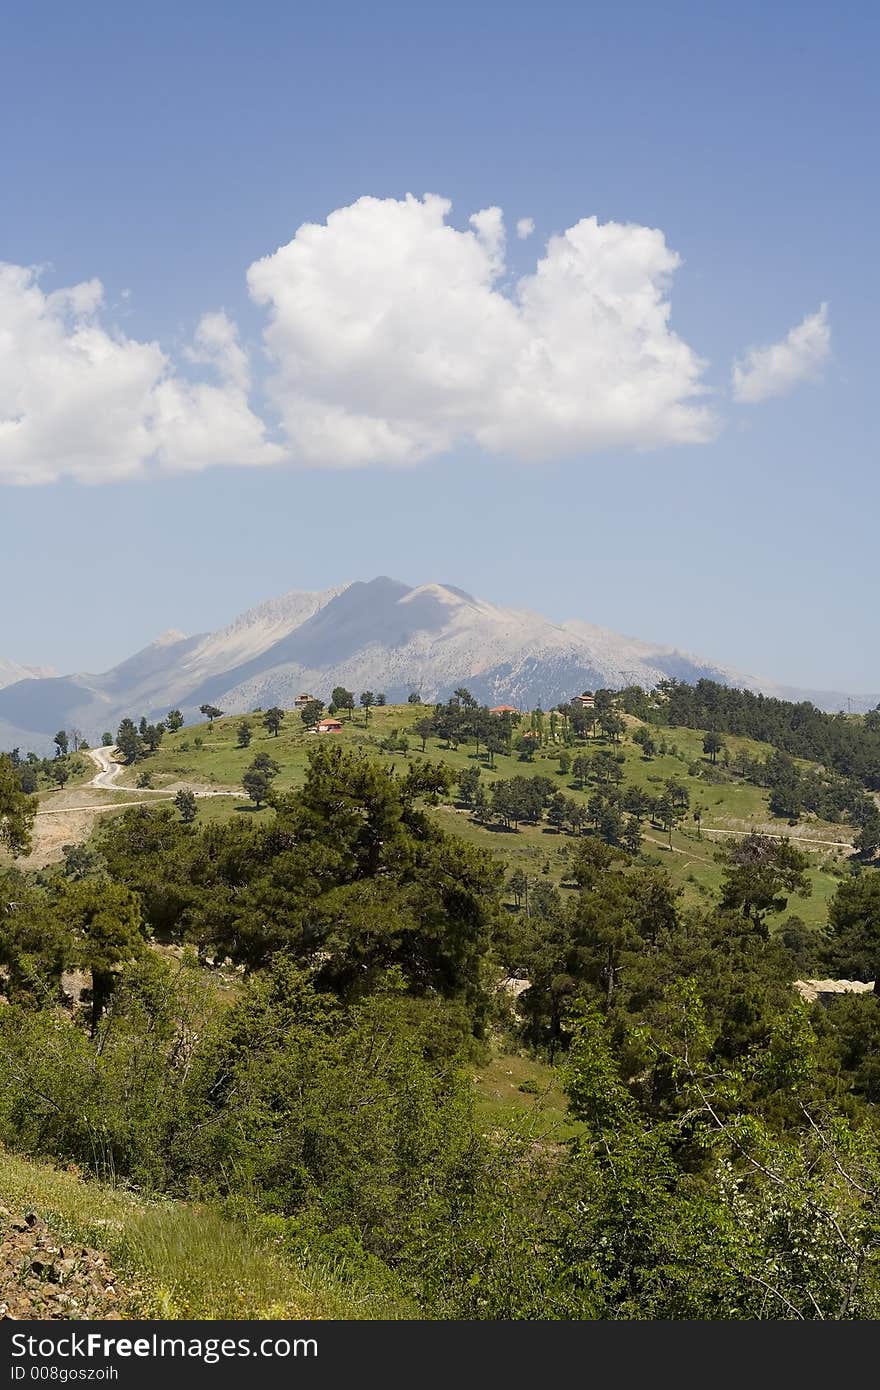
x=302 y=700
x=330 y=726
x=586 y=701
x=504 y=709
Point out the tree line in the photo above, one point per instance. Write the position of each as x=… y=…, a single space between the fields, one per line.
x=848 y=745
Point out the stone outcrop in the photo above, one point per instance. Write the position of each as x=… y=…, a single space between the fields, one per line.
x=42 y=1276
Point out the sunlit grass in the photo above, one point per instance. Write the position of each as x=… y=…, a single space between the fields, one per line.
x=181 y=1260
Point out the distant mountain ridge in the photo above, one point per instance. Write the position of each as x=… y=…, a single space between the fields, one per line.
x=382 y=635
x=12 y=671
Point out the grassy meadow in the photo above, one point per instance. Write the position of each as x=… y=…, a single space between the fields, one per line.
x=210 y=755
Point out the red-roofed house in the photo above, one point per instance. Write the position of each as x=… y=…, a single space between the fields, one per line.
x=330 y=726
x=504 y=709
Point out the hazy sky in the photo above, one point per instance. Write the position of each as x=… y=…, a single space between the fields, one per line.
x=625 y=372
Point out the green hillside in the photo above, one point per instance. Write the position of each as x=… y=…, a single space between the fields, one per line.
x=210 y=754
x=493 y=1032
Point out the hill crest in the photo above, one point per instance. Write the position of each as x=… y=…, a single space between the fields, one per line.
x=380 y=634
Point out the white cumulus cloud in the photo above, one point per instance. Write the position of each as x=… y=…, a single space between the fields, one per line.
x=392 y=336
x=80 y=400
x=774 y=370
x=392 y=339
x=215 y=344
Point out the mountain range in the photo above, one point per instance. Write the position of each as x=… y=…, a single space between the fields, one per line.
x=12 y=671
x=381 y=635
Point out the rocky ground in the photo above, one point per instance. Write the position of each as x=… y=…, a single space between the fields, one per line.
x=42 y=1276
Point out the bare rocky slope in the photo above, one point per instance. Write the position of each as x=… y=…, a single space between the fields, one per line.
x=381 y=635
x=43 y=1276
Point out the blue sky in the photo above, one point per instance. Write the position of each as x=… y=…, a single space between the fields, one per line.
x=164 y=150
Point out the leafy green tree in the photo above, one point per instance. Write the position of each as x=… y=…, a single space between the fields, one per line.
x=776 y=1229
x=61 y=744
x=107 y=739
x=414 y=698
x=853 y=946
x=257 y=785
x=557 y=810
x=368 y=699
x=867 y=839
x=380 y=699
x=468 y=781
x=59 y=771
x=760 y=873
x=482 y=807
x=495 y=746
x=526 y=747
x=152 y=734
x=186 y=803
x=174 y=720
x=257 y=780
x=606 y=767
x=518 y=886
x=244 y=734
x=17 y=811
x=669 y=812
x=786 y=787
x=581 y=768
x=343 y=699
x=645 y=739
x=423 y=729
x=105 y=921
x=394 y=742
x=80 y=861
x=677 y=793
x=613 y=726
x=636 y=802
x=211 y=712
x=311 y=713
x=632 y=835
x=129 y=741
x=28 y=778
x=713 y=743
x=463 y=697
x=34 y=947
x=273 y=719
x=610 y=823
x=263 y=762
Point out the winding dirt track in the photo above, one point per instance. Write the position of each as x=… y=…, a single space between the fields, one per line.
x=108 y=767
x=71 y=816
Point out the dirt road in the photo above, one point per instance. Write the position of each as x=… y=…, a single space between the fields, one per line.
x=109 y=770
x=70 y=816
